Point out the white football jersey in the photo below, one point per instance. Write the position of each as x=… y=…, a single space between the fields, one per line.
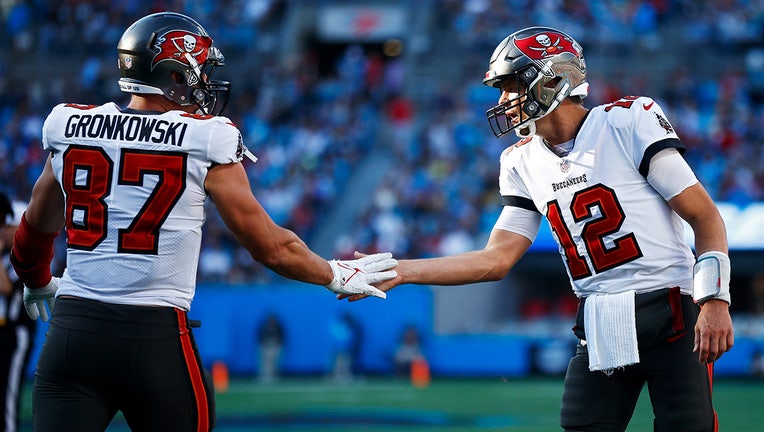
x=134 y=188
x=614 y=231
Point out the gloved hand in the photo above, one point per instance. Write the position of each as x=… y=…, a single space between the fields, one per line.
x=35 y=299
x=356 y=276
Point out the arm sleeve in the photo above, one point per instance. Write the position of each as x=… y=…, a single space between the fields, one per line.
x=31 y=254
x=520 y=221
x=669 y=173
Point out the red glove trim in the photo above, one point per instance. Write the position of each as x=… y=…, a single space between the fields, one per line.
x=32 y=254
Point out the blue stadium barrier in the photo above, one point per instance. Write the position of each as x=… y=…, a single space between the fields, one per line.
x=230 y=316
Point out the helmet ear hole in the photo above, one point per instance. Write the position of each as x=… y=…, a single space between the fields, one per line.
x=178 y=77
x=553 y=82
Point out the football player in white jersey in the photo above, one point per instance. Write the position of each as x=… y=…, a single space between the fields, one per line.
x=129 y=185
x=613 y=186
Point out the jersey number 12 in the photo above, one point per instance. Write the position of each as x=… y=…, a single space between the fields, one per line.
x=625 y=248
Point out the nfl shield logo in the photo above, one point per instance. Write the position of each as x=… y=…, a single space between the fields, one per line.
x=564 y=165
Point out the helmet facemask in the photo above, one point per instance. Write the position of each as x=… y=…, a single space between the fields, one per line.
x=539 y=93
x=526 y=106
x=211 y=96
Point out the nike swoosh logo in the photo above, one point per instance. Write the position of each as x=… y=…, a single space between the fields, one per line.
x=648 y=106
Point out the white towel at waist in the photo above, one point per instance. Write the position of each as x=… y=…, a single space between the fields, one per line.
x=611 y=331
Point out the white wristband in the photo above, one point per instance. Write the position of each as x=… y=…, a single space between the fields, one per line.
x=711 y=277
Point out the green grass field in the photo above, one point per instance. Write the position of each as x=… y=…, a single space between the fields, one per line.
x=386 y=405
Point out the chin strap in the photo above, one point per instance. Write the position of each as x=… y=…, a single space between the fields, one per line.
x=528 y=130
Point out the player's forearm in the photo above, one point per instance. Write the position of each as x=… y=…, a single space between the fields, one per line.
x=465 y=268
x=710 y=234
x=289 y=256
x=696 y=207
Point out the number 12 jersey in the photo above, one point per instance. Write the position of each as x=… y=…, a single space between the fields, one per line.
x=614 y=230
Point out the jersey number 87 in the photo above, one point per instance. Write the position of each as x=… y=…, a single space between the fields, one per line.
x=87 y=182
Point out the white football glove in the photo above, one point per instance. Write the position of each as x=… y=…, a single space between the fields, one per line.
x=356 y=276
x=35 y=299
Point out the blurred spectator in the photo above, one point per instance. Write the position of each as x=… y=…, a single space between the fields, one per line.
x=408 y=351
x=270 y=339
x=215 y=260
x=345 y=336
x=757 y=364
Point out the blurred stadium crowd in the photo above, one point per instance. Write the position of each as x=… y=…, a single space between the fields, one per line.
x=313 y=117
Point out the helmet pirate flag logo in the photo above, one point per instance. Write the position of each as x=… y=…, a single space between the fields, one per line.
x=542 y=46
x=174 y=45
x=546 y=44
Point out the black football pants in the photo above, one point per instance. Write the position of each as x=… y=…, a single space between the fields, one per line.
x=678 y=384
x=101 y=358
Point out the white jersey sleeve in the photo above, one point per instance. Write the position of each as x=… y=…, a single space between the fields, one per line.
x=670 y=174
x=512 y=187
x=519 y=221
x=226 y=145
x=644 y=127
x=134 y=193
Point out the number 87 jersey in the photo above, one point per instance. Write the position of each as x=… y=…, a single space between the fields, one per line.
x=134 y=193
x=614 y=231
